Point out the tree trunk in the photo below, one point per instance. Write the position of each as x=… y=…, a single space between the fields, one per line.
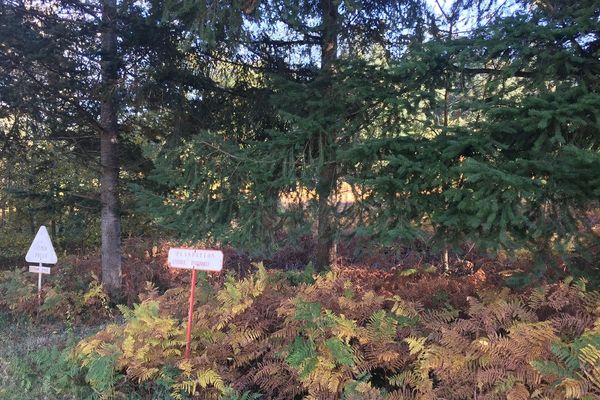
x=109 y=157
x=446 y=259
x=327 y=175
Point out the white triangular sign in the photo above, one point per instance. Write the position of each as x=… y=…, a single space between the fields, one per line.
x=41 y=250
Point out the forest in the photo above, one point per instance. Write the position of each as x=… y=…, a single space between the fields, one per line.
x=406 y=194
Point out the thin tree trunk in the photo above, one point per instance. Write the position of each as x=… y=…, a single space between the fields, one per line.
x=109 y=157
x=446 y=259
x=327 y=175
x=445 y=255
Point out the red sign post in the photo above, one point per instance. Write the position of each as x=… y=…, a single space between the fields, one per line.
x=194 y=259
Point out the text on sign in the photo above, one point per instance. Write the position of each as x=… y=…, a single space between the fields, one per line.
x=205 y=260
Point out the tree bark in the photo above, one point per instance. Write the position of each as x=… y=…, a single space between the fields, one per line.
x=109 y=157
x=327 y=175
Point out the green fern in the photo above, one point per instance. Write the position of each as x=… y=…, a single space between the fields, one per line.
x=550 y=368
x=342 y=353
x=301 y=350
x=101 y=373
x=306 y=311
x=231 y=394
x=303 y=355
x=565 y=354
x=381 y=327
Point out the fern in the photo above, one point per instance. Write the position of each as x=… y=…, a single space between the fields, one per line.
x=230 y=394
x=563 y=352
x=415 y=345
x=550 y=368
x=344 y=328
x=306 y=311
x=303 y=355
x=101 y=373
x=381 y=327
x=208 y=378
x=306 y=276
x=342 y=353
x=573 y=388
x=333 y=339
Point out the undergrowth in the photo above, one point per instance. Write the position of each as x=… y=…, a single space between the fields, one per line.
x=36 y=361
x=292 y=336
x=64 y=299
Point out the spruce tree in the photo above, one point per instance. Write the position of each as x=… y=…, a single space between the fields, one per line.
x=62 y=89
x=516 y=169
x=310 y=117
x=478 y=122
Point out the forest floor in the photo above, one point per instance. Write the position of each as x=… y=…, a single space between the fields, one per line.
x=35 y=342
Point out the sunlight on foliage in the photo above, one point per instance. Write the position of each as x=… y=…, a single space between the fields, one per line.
x=317 y=341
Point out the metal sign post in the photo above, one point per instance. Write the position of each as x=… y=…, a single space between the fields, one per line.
x=194 y=259
x=188 y=332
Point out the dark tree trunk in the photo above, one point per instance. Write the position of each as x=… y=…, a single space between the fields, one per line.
x=327 y=175
x=109 y=157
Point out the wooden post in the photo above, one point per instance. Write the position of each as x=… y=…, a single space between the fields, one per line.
x=40 y=283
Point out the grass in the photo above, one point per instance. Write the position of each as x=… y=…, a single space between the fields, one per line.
x=35 y=363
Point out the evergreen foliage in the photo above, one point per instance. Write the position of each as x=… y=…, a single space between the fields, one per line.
x=477 y=120
x=469 y=133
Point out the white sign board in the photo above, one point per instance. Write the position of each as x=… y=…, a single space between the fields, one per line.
x=39 y=270
x=204 y=260
x=41 y=250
